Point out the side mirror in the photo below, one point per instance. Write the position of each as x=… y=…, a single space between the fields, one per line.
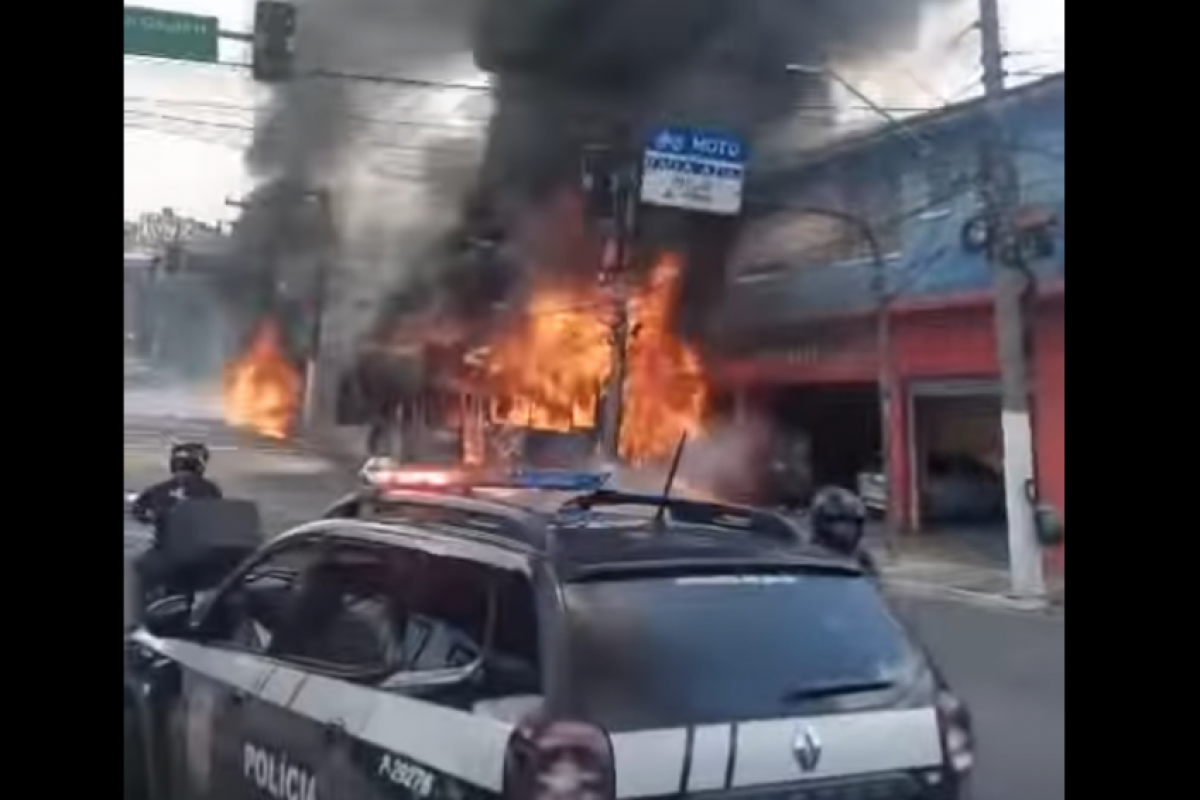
x=169 y=617
x=1048 y=525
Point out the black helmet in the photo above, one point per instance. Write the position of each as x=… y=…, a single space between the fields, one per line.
x=189 y=457
x=838 y=518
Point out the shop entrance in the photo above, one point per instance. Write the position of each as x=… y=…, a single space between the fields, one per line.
x=958 y=467
x=841 y=424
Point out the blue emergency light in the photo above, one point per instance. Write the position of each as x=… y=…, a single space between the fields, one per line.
x=556 y=480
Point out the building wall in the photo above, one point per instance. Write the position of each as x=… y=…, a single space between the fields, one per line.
x=960 y=343
x=803 y=291
x=793 y=265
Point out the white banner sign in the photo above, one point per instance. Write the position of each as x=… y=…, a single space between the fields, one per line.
x=695 y=171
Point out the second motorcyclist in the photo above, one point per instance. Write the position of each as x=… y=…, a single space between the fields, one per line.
x=838 y=521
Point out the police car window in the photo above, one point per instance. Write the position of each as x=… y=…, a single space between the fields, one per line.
x=324 y=604
x=449 y=606
x=252 y=611
x=670 y=651
x=465 y=611
x=347 y=611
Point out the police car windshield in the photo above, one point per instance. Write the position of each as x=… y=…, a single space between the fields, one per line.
x=673 y=651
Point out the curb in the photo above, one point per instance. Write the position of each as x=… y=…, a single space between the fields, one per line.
x=995 y=602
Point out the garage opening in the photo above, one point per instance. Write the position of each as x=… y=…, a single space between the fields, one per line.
x=841 y=425
x=959 y=456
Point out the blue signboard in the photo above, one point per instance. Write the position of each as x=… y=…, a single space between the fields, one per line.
x=696 y=170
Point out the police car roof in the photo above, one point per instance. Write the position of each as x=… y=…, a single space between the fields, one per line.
x=606 y=531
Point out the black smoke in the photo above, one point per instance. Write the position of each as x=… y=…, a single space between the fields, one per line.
x=312 y=126
x=568 y=74
x=572 y=74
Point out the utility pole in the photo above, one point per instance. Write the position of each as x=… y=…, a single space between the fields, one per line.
x=1001 y=194
x=320 y=299
x=624 y=198
x=610 y=185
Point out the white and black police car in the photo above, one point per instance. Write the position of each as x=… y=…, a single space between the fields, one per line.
x=473 y=644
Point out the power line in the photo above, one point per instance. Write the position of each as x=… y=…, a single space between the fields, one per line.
x=470 y=127
x=246 y=128
x=962 y=187
x=395 y=80
x=330 y=74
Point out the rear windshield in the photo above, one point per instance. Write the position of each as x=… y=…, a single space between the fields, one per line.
x=664 y=652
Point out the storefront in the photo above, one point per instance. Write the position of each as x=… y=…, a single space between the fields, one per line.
x=946 y=398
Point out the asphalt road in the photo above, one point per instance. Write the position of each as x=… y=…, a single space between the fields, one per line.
x=289 y=483
x=1008 y=666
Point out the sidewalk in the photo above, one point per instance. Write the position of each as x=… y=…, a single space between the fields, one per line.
x=940 y=566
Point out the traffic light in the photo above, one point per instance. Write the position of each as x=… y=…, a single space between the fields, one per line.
x=274 y=55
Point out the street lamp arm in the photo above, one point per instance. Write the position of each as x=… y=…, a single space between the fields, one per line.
x=863 y=227
x=883 y=345
x=918 y=141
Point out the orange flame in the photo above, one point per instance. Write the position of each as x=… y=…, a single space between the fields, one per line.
x=261 y=389
x=549 y=370
x=665 y=389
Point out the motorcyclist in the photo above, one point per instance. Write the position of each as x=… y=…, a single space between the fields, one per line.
x=838 y=520
x=188 y=462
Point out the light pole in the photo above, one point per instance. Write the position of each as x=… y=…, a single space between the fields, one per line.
x=879 y=289
x=320 y=300
x=884 y=378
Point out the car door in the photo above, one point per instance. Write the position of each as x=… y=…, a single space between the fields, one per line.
x=184 y=690
x=429 y=736
x=232 y=743
x=324 y=630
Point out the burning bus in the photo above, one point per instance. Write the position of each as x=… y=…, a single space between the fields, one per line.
x=531 y=387
x=431 y=404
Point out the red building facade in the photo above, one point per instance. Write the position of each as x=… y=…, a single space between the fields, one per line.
x=948 y=343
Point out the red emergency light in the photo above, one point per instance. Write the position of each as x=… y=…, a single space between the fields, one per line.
x=384 y=474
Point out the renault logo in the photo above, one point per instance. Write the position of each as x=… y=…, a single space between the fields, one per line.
x=806 y=748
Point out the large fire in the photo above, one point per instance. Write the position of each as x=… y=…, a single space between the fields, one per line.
x=261 y=389
x=551 y=368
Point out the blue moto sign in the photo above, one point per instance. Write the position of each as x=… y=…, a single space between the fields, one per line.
x=694 y=170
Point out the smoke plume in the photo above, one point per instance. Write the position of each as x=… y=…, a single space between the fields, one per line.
x=568 y=74
x=580 y=73
x=330 y=132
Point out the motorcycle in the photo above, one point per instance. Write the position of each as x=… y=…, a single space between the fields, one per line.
x=201 y=541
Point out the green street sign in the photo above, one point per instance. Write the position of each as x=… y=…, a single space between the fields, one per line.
x=167 y=34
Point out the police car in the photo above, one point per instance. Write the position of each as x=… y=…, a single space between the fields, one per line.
x=484 y=643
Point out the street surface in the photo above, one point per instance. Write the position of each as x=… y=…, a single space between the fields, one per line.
x=1008 y=666
x=289 y=484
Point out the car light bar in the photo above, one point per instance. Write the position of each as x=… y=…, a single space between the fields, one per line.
x=385 y=474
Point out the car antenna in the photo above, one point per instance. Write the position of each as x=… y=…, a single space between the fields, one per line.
x=660 y=515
